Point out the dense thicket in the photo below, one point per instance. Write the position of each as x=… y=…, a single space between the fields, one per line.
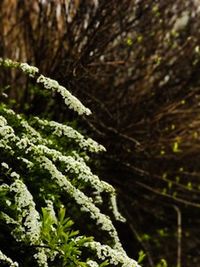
x=136 y=65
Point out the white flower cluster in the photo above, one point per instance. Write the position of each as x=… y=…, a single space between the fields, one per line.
x=29 y=217
x=114 y=256
x=71 y=101
x=81 y=199
x=5 y=188
x=8 y=220
x=3 y=121
x=77 y=167
x=91 y=263
x=50 y=209
x=30 y=70
x=83 y=173
x=30 y=131
x=28 y=163
x=80 y=169
x=23 y=143
x=41 y=257
x=29 y=138
x=5 y=259
x=6 y=134
x=26 y=68
x=8 y=63
x=14 y=175
x=4 y=165
x=64 y=130
x=9 y=137
x=30 y=147
x=114 y=208
x=27 y=226
x=5 y=131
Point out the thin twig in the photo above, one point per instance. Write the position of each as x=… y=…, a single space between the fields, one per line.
x=179 y=235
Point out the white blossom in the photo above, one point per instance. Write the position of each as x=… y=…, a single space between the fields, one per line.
x=4 y=165
x=84 y=173
x=8 y=219
x=26 y=68
x=114 y=256
x=5 y=259
x=3 y=121
x=50 y=209
x=8 y=63
x=92 y=263
x=30 y=147
x=8 y=202
x=6 y=132
x=41 y=257
x=14 y=175
x=28 y=214
x=30 y=70
x=71 y=101
x=30 y=133
x=81 y=199
x=28 y=163
x=64 y=130
x=23 y=143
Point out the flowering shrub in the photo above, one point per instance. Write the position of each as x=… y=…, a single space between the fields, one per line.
x=48 y=191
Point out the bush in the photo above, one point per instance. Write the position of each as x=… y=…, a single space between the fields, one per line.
x=48 y=191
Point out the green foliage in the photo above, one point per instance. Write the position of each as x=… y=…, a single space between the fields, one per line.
x=58 y=236
x=142 y=256
x=51 y=203
x=162 y=263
